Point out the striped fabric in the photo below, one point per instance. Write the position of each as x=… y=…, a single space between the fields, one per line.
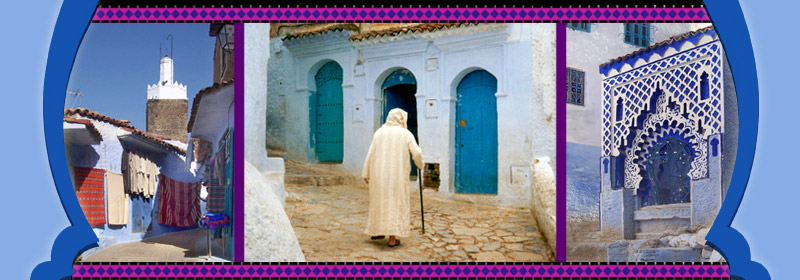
x=216 y=197
x=179 y=202
x=89 y=188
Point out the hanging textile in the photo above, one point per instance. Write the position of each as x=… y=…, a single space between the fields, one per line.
x=213 y=221
x=139 y=174
x=89 y=188
x=216 y=197
x=179 y=202
x=118 y=200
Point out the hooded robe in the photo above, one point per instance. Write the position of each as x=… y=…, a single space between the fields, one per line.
x=387 y=167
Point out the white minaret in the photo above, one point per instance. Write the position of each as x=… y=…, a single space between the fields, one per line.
x=167 y=105
x=166 y=88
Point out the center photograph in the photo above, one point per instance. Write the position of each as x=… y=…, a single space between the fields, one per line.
x=398 y=142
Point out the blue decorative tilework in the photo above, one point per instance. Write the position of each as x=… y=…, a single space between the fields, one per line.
x=678 y=75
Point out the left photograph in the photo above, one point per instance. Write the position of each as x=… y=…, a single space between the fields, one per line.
x=148 y=132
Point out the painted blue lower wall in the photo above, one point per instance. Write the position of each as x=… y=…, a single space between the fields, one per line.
x=583 y=182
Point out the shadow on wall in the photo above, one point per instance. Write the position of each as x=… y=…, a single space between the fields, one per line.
x=583 y=182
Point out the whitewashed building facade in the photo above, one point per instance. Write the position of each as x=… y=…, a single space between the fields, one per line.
x=481 y=99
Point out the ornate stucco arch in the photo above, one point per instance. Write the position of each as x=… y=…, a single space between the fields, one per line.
x=665 y=121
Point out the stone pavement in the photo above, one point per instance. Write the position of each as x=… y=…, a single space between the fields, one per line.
x=183 y=246
x=329 y=223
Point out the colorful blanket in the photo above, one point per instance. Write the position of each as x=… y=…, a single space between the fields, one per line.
x=216 y=197
x=179 y=202
x=89 y=188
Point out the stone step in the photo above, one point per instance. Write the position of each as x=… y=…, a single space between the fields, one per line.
x=587 y=252
x=669 y=255
x=654 y=220
x=318 y=175
x=649 y=235
x=321 y=180
x=660 y=212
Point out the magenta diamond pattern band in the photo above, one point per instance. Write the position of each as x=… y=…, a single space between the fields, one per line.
x=398 y=14
x=563 y=270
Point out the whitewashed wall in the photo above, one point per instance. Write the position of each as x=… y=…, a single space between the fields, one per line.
x=507 y=51
x=585 y=52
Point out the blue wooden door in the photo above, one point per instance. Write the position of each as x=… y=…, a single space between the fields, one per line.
x=141 y=214
x=328 y=125
x=476 y=134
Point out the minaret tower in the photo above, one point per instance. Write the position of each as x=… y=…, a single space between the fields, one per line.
x=167 y=105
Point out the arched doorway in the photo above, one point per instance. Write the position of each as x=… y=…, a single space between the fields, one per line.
x=476 y=134
x=668 y=165
x=327 y=114
x=399 y=90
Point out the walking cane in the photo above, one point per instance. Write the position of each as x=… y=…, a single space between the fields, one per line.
x=421 y=208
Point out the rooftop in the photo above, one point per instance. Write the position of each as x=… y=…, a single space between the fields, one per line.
x=424 y=27
x=124 y=124
x=659 y=48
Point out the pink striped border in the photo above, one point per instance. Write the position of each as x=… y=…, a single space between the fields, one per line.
x=401 y=270
x=398 y=14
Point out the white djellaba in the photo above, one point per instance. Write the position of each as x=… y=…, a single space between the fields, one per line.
x=387 y=168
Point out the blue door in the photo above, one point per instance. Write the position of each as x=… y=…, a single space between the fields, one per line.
x=399 y=91
x=328 y=115
x=141 y=214
x=476 y=134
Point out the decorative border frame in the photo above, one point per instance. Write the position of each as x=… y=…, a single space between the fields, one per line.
x=381 y=270
x=75 y=16
x=398 y=14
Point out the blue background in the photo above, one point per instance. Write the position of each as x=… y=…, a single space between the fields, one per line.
x=33 y=215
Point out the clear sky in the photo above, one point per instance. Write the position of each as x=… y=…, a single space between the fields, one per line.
x=116 y=62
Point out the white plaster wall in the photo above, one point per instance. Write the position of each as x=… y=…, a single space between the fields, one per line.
x=543 y=92
x=585 y=52
x=269 y=235
x=279 y=84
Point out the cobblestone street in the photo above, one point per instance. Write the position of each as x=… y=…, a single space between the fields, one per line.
x=329 y=222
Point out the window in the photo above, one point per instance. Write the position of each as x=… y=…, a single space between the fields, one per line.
x=582 y=26
x=704 y=88
x=637 y=34
x=575 y=86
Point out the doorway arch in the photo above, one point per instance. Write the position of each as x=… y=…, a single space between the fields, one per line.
x=399 y=91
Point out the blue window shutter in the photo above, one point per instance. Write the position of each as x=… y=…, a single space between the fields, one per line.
x=637 y=34
x=580 y=26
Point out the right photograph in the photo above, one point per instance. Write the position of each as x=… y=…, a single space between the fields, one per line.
x=652 y=127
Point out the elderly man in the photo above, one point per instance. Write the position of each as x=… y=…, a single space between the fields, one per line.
x=386 y=171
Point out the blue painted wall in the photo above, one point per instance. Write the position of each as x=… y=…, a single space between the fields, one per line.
x=583 y=182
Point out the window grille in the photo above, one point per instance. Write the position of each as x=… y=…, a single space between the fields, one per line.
x=575 y=79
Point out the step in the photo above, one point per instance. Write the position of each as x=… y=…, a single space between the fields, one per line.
x=587 y=251
x=668 y=211
x=321 y=180
x=654 y=221
x=669 y=255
